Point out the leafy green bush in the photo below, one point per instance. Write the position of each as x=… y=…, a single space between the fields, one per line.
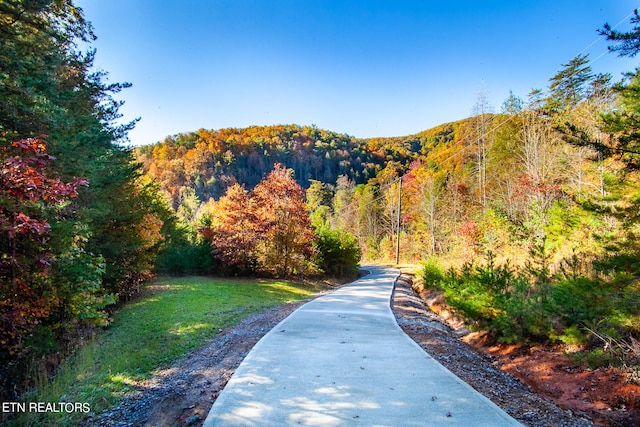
x=338 y=252
x=185 y=253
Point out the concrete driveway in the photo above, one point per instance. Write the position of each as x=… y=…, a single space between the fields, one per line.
x=342 y=360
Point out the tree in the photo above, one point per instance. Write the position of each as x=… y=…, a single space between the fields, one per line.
x=386 y=210
x=103 y=240
x=337 y=252
x=343 y=214
x=620 y=127
x=512 y=105
x=38 y=283
x=183 y=250
x=624 y=124
x=47 y=86
x=569 y=86
x=318 y=197
x=284 y=221
x=26 y=194
x=189 y=204
x=233 y=230
x=481 y=111
x=627 y=43
x=587 y=116
x=539 y=158
x=36 y=61
x=426 y=188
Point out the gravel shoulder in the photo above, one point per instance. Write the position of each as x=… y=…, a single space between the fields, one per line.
x=183 y=394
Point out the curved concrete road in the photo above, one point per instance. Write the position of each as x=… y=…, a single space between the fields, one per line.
x=342 y=359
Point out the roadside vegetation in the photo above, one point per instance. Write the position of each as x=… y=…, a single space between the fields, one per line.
x=595 y=316
x=550 y=253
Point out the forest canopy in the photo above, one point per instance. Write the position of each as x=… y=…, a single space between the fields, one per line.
x=209 y=161
x=78 y=229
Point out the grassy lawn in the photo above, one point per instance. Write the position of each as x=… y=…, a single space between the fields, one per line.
x=177 y=315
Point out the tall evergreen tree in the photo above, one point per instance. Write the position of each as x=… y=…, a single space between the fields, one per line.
x=569 y=86
x=49 y=87
x=102 y=241
x=622 y=125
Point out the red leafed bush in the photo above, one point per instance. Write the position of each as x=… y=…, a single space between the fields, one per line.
x=27 y=195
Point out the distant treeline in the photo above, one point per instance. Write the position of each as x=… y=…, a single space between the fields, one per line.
x=209 y=161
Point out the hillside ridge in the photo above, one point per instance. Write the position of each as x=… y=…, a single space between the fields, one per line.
x=209 y=161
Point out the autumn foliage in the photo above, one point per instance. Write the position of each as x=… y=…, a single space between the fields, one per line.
x=67 y=249
x=557 y=176
x=209 y=161
x=28 y=197
x=287 y=241
x=267 y=230
x=234 y=230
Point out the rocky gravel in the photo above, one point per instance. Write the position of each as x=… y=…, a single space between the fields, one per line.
x=182 y=394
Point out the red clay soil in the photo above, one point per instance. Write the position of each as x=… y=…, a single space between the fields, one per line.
x=605 y=394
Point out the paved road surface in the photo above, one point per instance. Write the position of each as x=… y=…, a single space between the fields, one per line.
x=342 y=360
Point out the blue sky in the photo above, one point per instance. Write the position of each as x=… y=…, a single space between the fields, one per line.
x=362 y=67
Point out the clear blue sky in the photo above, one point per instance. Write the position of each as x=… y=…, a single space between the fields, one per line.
x=363 y=67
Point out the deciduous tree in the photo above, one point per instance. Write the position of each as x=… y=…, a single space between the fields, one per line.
x=233 y=230
x=36 y=281
x=287 y=235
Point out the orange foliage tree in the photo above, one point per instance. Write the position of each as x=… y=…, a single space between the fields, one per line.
x=268 y=229
x=233 y=230
x=285 y=222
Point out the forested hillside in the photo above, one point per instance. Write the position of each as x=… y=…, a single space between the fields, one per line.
x=208 y=161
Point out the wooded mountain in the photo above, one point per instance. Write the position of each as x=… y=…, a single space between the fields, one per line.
x=209 y=161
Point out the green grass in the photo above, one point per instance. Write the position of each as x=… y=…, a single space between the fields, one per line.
x=177 y=315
